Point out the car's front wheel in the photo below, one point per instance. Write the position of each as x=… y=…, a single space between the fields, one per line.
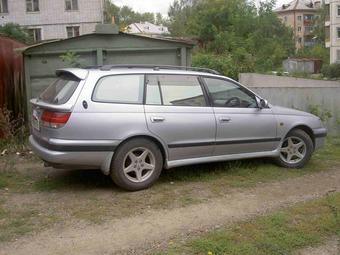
x=137 y=164
x=296 y=150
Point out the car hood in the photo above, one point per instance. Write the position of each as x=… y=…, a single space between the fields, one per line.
x=288 y=111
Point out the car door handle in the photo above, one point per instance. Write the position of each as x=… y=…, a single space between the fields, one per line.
x=225 y=119
x=157 y=119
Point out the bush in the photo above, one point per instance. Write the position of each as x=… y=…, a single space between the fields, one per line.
x=225 y=63
x=331 y=71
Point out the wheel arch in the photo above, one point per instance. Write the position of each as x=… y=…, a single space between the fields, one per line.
x=306 y=129
x=160 y=145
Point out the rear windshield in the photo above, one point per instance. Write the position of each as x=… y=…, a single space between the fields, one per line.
x=60 y=91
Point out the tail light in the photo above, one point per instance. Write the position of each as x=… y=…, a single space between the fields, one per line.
x=54 y=119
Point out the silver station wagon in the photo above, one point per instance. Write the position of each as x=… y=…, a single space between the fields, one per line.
x=133 y=121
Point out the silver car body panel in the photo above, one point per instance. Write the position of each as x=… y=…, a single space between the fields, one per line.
x=186 y=135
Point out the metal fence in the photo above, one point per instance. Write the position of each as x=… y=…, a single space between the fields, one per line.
x=11 y=75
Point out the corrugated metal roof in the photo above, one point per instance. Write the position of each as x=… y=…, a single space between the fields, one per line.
x=146 y=28
x=307 y=5
x=159 y=38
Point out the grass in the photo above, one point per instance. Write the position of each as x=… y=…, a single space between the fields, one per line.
x=91 y=196
x=281 y=233
x=249 y=172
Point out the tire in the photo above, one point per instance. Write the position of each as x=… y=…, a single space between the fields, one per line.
x=296 y=150
x=137 y=164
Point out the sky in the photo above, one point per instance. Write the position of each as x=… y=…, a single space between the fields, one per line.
x=159 y=5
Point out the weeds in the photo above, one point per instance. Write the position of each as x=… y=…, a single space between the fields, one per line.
x=13 y=131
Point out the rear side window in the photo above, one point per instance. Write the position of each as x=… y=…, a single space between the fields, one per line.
x=122 y=89
x=174 y=90
x=61 y=90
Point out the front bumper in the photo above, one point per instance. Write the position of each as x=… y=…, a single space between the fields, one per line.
x=91 y=159
x=320 y=135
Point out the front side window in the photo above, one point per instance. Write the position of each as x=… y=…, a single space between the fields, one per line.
x=124 y=89
x=174 y=90
x=3 y=6
x=225 y=93
x=71 y=5
x=72 y=31
x=61 y=90
x=32 y=5
x=35 y=34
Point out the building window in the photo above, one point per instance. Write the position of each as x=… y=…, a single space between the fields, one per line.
x=299 y=29
x=338 y=32
x=300 y=40
x=3 y=6
x=32 y=5
x=309 y=17
x=285 y=18
x=35 y=34
x=71 y=5
x=338 y=55
x=73 y=31
x=338 y=10
x=299 y=18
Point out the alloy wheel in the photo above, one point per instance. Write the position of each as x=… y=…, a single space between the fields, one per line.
x=293 y=150
x=139 y=165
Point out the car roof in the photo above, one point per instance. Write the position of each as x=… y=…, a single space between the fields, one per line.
x=82 y=73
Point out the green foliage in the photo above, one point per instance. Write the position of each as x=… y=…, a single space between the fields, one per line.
x=71 y=59
x=224 y=63
x=16 y=32
x=235 y=31
x=323 y=114
x=331 y=71
x=317 y=51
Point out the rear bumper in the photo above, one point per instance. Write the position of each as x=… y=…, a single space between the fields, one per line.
x=83 y=158
x=320 y=135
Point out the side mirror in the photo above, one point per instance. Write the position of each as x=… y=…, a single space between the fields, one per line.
x=263 y=103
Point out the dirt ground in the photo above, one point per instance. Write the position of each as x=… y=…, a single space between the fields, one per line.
x=332 y=247
x=145 y=228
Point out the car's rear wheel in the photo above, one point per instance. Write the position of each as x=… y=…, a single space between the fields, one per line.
x=137 y=164
x=296 y=150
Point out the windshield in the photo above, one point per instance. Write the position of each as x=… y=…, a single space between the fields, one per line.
x=61 y=90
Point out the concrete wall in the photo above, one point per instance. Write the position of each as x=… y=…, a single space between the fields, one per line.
x=52 y=17
x=298 y=93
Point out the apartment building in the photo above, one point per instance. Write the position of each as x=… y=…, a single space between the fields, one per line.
x=53 y=19
x=333 y=29
x=300 y=15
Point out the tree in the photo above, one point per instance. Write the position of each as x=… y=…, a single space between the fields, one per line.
x=179 y=13
x=234 y=35
x=111 y=10
x=16 y=32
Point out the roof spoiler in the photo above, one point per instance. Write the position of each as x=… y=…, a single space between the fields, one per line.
x=77 y=72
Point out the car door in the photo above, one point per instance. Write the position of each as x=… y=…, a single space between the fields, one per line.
x=177 y=112
x=242 y=127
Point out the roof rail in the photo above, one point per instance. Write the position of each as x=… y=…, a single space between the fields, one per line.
x=157 y=68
